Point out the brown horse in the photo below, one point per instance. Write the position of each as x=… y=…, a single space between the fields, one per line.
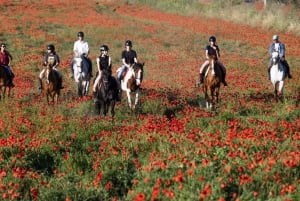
x=132 y=81
x=212 y=83
x=4 y=85
x=50 y=84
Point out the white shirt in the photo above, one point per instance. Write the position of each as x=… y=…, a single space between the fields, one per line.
x=81 y=47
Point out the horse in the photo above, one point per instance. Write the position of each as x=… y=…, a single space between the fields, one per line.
x=50 y=84
x=277 y=76
x=131 y=83
x=4 y=85
x=81 y=75
x=105 y=95
x=212 y=83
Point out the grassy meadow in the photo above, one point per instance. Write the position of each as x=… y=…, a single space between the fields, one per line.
x=170 y=147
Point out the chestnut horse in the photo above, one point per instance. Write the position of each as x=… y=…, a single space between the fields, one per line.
x=212 y=83
x=50 y=84
x=277 y=76
x=105 y=95
x=4 y=86
x=132 y=81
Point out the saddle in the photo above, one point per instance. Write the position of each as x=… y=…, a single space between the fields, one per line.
x=124 y=73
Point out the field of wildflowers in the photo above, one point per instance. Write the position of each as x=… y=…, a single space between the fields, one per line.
x=171 y=147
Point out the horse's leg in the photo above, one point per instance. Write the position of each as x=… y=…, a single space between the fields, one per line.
x=136 y=97
x=79 y=89
x=112 y=108
x=129 y=98
x=4 y=92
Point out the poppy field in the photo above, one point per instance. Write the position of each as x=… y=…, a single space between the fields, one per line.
x=171 y=147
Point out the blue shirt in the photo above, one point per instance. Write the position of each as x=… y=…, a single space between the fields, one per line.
x=281 y=49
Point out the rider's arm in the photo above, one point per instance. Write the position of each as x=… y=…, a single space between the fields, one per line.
x=57 y=61
x=281 y=50
x=98 y=64
x=206 y=54
x=124 y=62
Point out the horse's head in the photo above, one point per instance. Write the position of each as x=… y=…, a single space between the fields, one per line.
x=275 y=57
x=138 y=69
x=105 y=76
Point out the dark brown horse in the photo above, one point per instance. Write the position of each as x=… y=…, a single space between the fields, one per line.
x=50 y=84
x=4 y=83
x=132 y=82
x=212 y=83
x=105 y=95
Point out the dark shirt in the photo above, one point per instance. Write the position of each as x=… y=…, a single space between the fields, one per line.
x=129 y=56
x=51 y=59
x=104 y=63
x=212 y=51
x=4 y=58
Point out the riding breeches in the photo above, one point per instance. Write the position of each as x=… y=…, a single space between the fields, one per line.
x=41 y=76
x=120 y=71
x=206 y=63
x=97 y=81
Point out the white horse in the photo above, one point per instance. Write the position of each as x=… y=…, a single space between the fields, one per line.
x=81 y=76
x=277 y=75
x=131 y=83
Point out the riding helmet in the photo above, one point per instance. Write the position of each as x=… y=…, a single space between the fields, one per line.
x=51 y=47
x=128 y=43
x=80 y=34
x=104 y=48
x=275 y=37
x=212 y=38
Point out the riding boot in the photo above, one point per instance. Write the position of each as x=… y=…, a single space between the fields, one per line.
x=201 y=78
x=40 y=84
x=96 y=100
x=269 y=69
x=10 y=82
x=285 y=63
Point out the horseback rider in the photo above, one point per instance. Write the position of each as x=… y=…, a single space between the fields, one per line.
x=104 y=64
x=5 y=59
x=81 y=48
x=279 y=47
x=129 y=57
x=212 y=50
x=53 y=59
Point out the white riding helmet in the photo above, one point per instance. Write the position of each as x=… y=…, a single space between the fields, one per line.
x=275 y=37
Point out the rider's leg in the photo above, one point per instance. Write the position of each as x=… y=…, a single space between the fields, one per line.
x=41 y=76
x=10 y=76
x=287 y=66
x=96 y=82
x=269 y=68
x=223 y=69
x=201 y=75
x=71 y=68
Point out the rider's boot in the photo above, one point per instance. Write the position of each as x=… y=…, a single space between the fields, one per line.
x=40 y=84
x=269 y=69
x=287 y=69
x=201 y=78
x=96 y=100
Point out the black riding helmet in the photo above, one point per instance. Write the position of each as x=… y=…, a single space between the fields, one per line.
x=104 y=48
x=128 y=43
x=80 y=34
x=50 y=47
x=212 y=38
